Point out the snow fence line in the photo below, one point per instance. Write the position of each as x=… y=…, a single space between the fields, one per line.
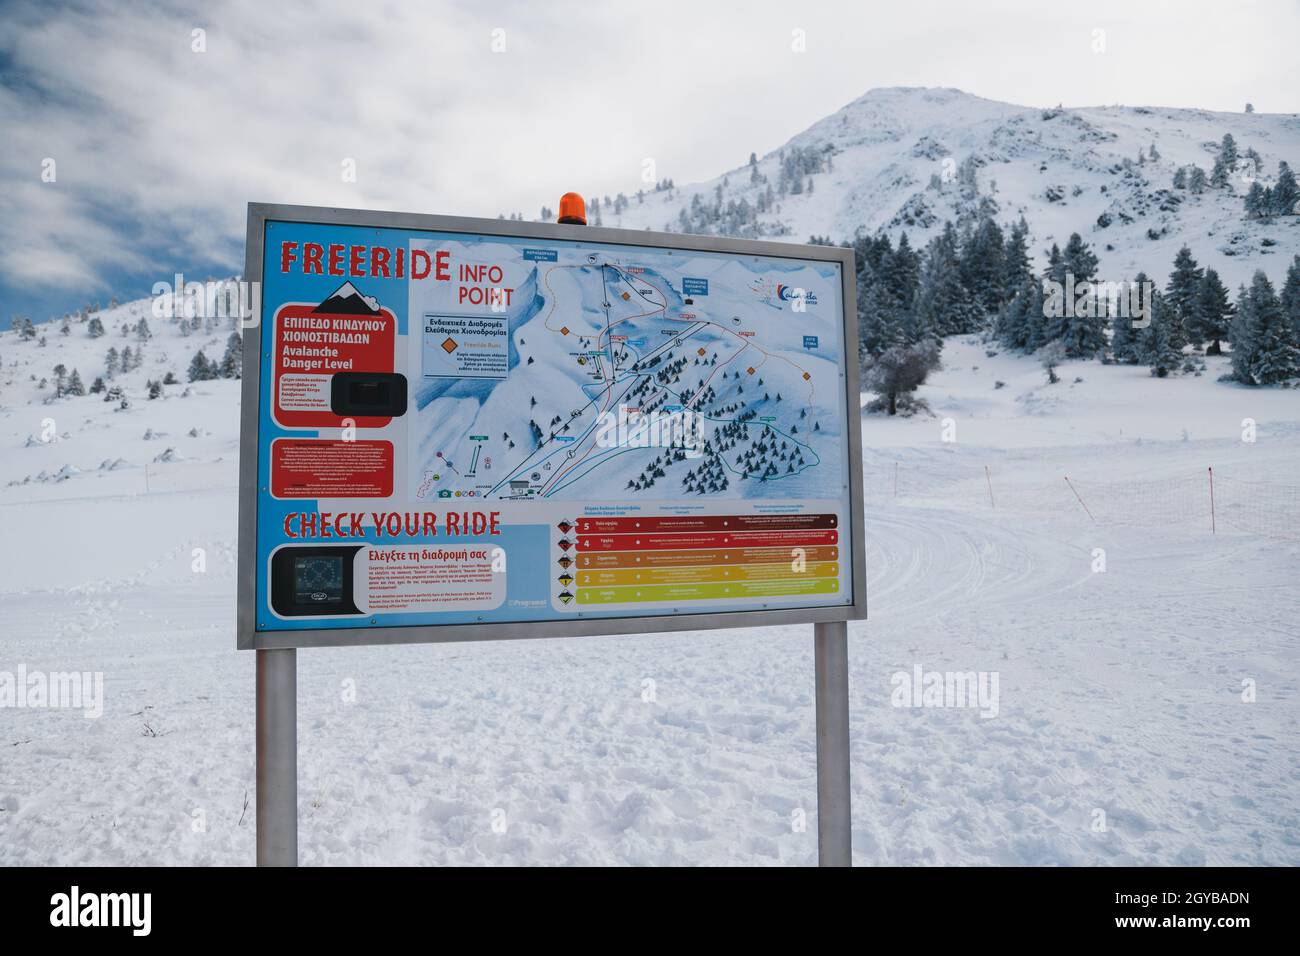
x=1202 y=499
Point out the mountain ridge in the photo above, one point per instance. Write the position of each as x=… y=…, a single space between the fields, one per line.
x=909 y=158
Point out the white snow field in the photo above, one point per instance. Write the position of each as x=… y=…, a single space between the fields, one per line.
x=1146 y=714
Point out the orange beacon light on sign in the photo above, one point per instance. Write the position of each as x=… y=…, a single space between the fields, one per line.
x=573 y=210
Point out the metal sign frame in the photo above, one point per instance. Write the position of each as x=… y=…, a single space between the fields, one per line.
x=277 y=693
x=248 y=637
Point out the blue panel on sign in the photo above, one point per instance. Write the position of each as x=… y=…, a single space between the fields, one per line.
x=575 y=445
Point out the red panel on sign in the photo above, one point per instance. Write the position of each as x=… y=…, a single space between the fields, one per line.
x=311 y=347
x=323 y=468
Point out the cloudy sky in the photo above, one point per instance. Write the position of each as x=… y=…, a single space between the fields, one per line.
x=159 y=135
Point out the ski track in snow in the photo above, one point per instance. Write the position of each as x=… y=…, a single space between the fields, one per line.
x=1117 y=693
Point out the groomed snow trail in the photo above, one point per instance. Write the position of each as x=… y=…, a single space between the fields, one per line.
x=1119 y=693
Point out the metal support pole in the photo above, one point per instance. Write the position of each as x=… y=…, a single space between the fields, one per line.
x=277 y=757
x=834 y=813
x=1213 y=528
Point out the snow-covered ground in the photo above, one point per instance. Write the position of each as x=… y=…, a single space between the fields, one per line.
x=1120 y=694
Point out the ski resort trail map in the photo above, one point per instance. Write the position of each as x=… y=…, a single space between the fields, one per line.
x=608 y=350
x=585 y=429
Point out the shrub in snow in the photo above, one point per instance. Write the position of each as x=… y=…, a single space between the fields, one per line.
x=1050 y=356
x=896 y=373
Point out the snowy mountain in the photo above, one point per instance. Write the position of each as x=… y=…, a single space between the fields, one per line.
x=347 y=300
x=907 y=159
x=990 y=525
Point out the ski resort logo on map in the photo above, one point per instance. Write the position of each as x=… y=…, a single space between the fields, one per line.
x=776 y=294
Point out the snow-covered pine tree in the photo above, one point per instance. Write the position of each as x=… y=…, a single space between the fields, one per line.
x=1155 y=346
x=75 y=385
x=942 y=305
x=232 y=362
x=1181 y=297
x=1219 y=174
x=1080 y=261
x=983 y=269
x=1256 y=161
x=1225 y=162
x=1213 y=312
x=1286 y=194
x=1291 y=295
x=1051 y=324
x=900 y=271
x=1084 y=333
x=879 y=324
x=200 y=368
x=1040 y=325
x=1125 y=340
x=1017 y=269
x=1076 y=319
x=1256 y=202
x=95 y=328
x=1055 y=265
x=112 y=363
x=1275 y=356
x=1242 y=336
x=1020 y=318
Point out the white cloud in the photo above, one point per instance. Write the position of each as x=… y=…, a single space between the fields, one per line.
x=159 y=148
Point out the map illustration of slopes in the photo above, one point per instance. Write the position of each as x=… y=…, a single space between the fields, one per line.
x=601 y=347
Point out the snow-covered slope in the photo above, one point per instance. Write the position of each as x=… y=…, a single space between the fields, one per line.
x=896 y=157
x=1121 y=693
x=51 y=439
